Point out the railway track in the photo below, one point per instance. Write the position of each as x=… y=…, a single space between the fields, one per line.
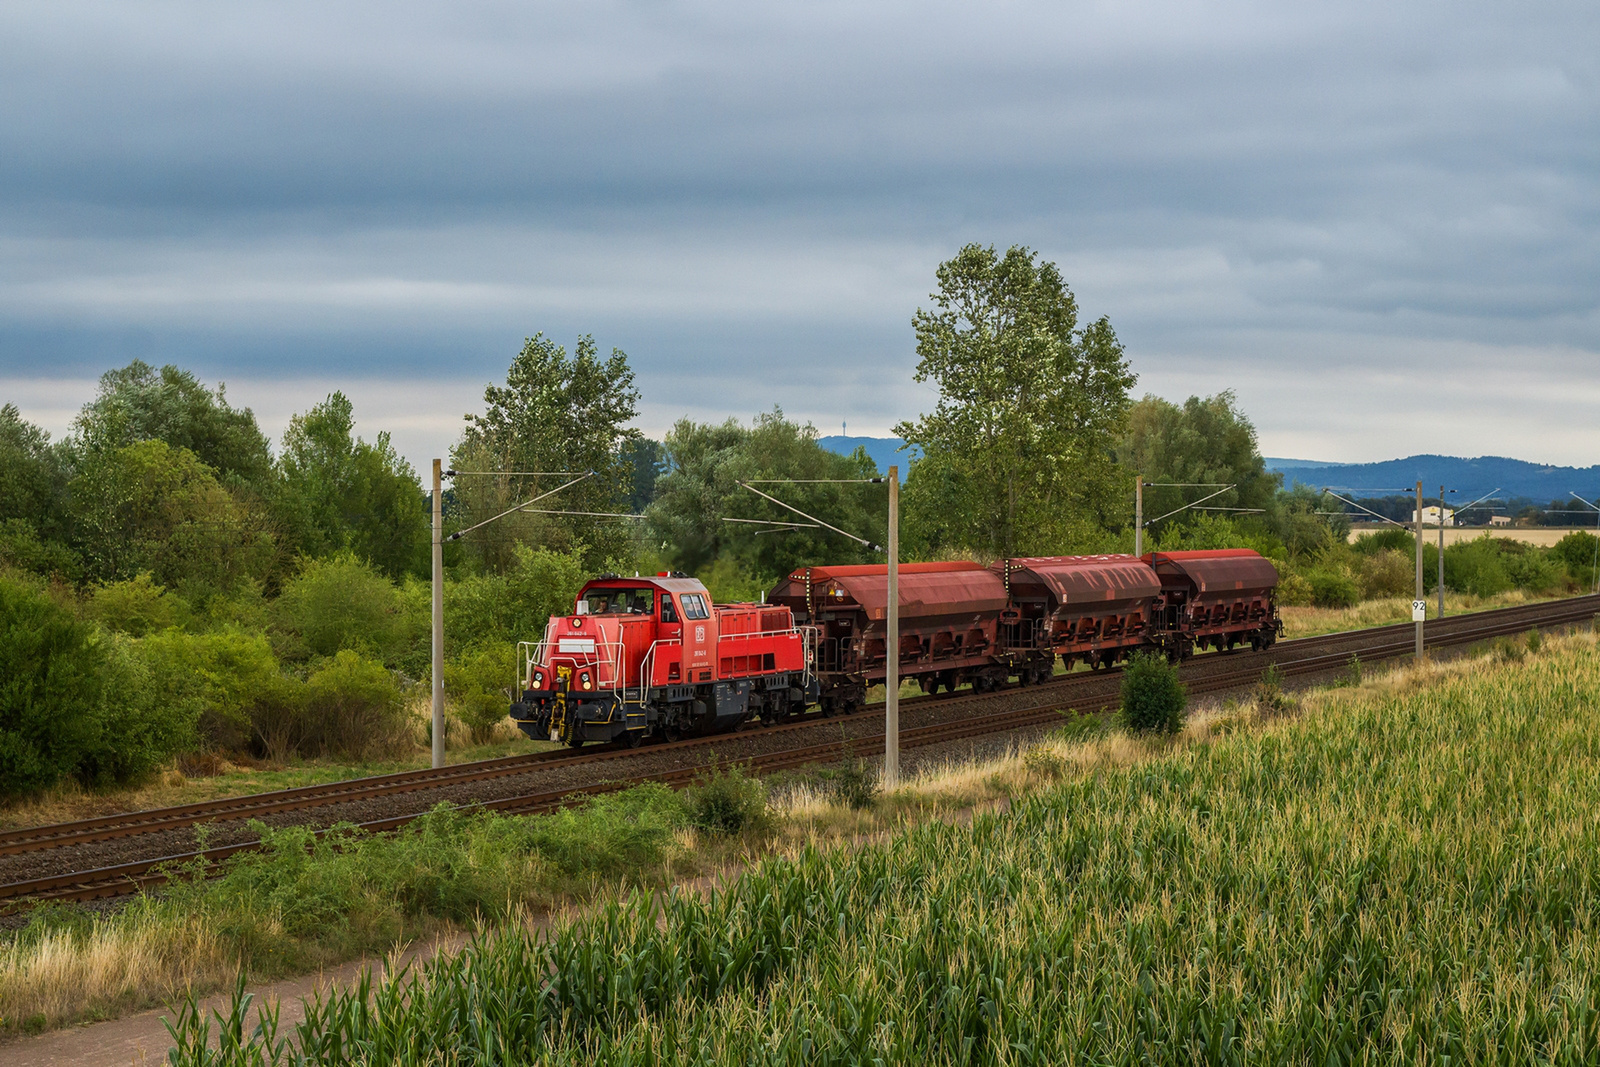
x=1032 y=706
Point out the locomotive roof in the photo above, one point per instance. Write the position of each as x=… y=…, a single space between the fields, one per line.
x=669 y=585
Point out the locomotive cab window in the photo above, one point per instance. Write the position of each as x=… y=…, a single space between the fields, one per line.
x=668 y=612
x=694 y=606
x=621 y=601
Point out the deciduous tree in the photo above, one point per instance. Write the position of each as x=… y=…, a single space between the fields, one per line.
x=1016 y=453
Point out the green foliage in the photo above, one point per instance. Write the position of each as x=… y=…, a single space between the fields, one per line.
x=1332 y=588
x=341 y=493
x=51 y=691
x=146 y=721
x=1015 y=455
x=1577 y=552
x=701 y=491
x=1388 y=539
x=1209 y=440
x=1535 y=641
x=1304 y=532
x=514 y=605
x=305 y=899
x=1477 y=567
x=479 y=686
x=1153 y=699
x=138 y=403
x=353 y=709
x=136 y=607
x=225 y=685
x=33 y=478
x=728 y=802
x=1217 y=531
x=1385 y=573
x=1269 y=696
x=343 y=602
x=854 y=783
x=149 y=506
x=555 y=413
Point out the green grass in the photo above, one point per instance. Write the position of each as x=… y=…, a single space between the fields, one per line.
x=1409 y=872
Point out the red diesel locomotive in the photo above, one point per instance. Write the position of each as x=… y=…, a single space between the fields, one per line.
x=654 y=655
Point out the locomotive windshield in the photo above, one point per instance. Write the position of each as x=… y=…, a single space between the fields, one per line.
x=639 y=601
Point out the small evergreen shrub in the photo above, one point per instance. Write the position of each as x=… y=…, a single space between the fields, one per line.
x=1535 y=641
x=1153 y=700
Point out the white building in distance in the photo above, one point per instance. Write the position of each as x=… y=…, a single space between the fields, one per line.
x=1430 y=516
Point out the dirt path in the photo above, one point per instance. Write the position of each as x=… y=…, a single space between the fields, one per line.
x=143 y=1039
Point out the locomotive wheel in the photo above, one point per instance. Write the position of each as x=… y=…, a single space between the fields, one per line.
x=635 y=738
x=671 y=732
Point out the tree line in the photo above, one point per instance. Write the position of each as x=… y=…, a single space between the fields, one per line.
x=172 y=583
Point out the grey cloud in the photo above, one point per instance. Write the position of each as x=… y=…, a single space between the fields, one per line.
x=751 y=200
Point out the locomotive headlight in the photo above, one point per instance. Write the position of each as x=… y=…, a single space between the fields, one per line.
x=584 y=678
x=538 y=680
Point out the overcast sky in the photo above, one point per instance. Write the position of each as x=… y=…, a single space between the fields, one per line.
x=1378 y=223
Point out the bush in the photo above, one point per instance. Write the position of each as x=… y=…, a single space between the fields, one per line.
x=478 y=685
x=1333 y=589
x=337 y=604
x=353 y=708
x=137 y=606
x=1386 y=573
x=1476 y=567
x=145 y=726
x=225 y=684
x=1153 y=700
x=727 y=803
x=51 y=716
x=1269 y=697
x=855 y=785
x=1293 y=590
x=1576 y=552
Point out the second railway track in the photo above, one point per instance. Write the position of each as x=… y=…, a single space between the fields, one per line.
x=1028 y=707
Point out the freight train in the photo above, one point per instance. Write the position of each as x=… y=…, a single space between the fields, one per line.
x=655 y=656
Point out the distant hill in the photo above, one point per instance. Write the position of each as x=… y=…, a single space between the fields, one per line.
x=883 y=450
x=1515 y=478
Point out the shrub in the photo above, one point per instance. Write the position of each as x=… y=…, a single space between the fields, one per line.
x=1269 y=696
x=353 y=708
x=478 y=683
x=137 y=606
x=1293 y=590
x=1476 y=567
x=1388 y=539
x=337 y=604
x=1153 y=700
x=1386 y=573
x=145 y=726
x=1333 y=589
x=51 y=716
x=855 y=785
x=225 y=683
x=728 y=802
x=1576 y=552
x=1535 y=641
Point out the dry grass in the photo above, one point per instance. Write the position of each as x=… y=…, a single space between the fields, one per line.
x=1309 y=622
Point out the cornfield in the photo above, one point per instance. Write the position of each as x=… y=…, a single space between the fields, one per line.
x=1402 y=874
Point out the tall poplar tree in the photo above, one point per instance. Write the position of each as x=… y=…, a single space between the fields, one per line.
x=1017 y=453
